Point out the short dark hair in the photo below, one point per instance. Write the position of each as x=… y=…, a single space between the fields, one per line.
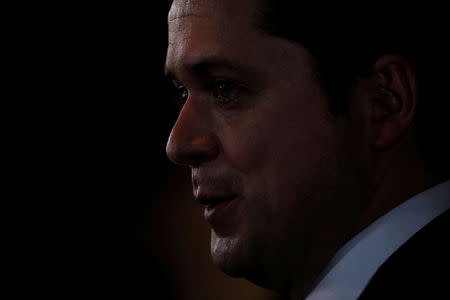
x=345 y=43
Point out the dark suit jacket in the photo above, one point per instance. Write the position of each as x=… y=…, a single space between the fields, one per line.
x=420 y=269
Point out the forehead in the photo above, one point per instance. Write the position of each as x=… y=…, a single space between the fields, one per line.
x=224 y=30
x=193 y=18
x=216 y=28
x=212 y=8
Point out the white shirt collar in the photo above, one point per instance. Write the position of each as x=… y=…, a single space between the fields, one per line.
x=350 y=270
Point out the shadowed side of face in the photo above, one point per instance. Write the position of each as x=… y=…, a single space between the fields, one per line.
x=268 y=161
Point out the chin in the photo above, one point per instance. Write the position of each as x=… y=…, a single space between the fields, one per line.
x=232 y=257
x=228 y=254
x=244 y=258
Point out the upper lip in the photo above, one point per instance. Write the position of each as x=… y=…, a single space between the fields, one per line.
x=206 y=199
x=212 y=190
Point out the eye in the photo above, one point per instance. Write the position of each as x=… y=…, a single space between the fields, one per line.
x=225 y=91
x=182 y=94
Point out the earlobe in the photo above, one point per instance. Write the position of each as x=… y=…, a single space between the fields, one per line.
x=393 y=101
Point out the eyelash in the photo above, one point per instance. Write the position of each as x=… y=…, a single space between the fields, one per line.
x=226 y=86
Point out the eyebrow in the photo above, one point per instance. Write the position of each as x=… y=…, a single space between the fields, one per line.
x=206 y=65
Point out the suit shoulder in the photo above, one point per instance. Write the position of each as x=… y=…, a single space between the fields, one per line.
x=418 y=268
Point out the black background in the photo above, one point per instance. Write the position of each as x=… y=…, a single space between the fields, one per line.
x=87 y=117
x=91 y=118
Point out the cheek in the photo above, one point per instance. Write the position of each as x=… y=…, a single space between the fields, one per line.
x=283 y=147
x=287 y=170
x=245 y=145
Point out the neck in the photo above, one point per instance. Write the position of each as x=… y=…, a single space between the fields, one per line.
x=397 y=179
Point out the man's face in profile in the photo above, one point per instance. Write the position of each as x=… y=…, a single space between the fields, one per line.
x=271 y=165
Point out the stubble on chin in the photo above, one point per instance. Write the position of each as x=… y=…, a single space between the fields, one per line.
x=222 y=249
x=228 y=254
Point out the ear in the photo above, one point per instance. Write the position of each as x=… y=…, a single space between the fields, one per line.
x=392 y=101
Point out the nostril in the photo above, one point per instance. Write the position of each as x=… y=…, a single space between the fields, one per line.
x=192 y=152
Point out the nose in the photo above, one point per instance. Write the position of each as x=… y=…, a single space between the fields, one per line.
x=192 y=140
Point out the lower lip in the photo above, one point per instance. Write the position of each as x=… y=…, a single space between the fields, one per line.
x=221 y=217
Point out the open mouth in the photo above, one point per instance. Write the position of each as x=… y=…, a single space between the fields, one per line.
x=213 y=202
x=222 y=215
